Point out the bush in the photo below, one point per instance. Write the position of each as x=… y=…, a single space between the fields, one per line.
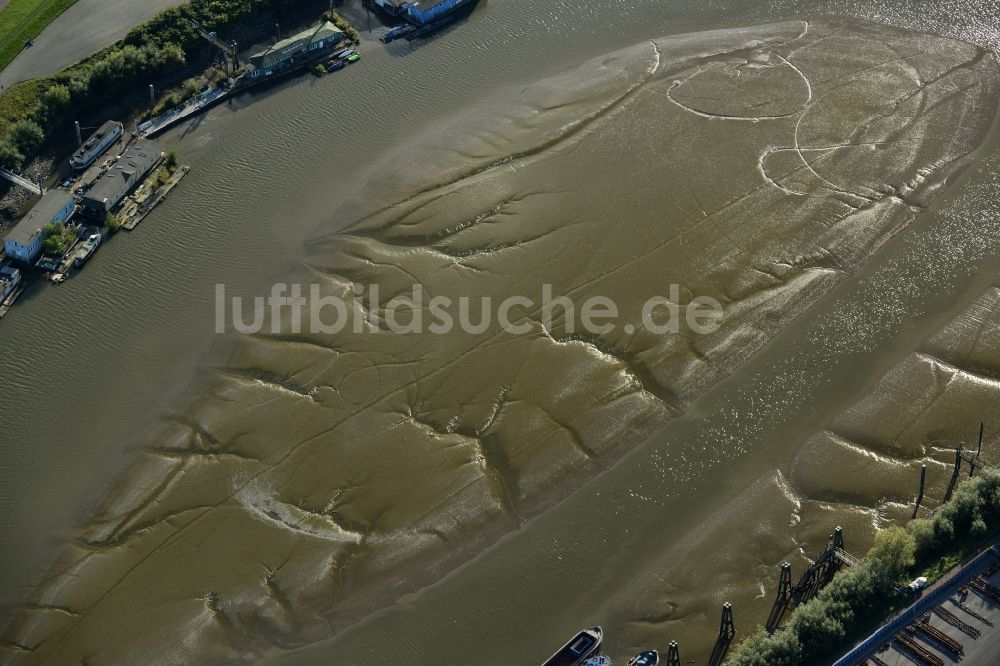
x=759 y=649
x=922 y=530
x=170 y=161
x=58 y=238
x=817 y=631
x=973 y=509
x=162 y=177
x=893 y=553
x=10 y=157
x=346 y=26
x=56 y=98
x=26 y=135
x=112 y=223
x=170 y=101
x=167 y=56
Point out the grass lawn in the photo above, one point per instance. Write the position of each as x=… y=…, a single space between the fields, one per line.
x=17 y=103
x=25 y=19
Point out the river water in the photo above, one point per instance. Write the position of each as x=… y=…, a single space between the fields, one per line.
x=90 y=364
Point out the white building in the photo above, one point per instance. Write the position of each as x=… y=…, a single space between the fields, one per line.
x=24 y=242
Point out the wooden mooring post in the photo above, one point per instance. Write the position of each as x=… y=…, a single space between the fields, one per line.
x=920 y=492
x=673 y=654
x=955 y=472
x=974 y=460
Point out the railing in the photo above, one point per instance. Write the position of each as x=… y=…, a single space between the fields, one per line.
x=23 y=182
x=846 y=557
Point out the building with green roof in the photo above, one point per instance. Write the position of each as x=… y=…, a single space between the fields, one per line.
x=295 y=50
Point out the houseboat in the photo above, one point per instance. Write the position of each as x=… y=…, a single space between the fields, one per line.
x=421 y=17
x=579 y=649
x=11 y=282
x=95 y=146
x=292 y=55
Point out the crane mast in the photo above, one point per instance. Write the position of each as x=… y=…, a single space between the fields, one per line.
x=229 y=52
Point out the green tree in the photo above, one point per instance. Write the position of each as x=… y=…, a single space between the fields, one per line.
x=10 y=156
x=760 y=649
x=57 y=97
x=170 y=161
x=112 y=223
x=922 y=530
x=26 y=135
x=162 y=177
x=818 y=632
x=895 y=551
x=169 y=55
x=78 y=82
x=58 y=238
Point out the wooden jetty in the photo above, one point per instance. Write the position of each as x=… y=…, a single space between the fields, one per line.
x=193 y=107
x=147 y=198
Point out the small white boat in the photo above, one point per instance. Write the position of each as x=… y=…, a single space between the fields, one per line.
x=88 y=248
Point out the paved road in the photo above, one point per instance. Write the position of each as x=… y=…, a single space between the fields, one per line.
x=982 y=651
x=84 y=28
x=935 y=595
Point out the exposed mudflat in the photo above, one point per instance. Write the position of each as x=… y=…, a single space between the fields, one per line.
x=861 y=473
x=311 y=479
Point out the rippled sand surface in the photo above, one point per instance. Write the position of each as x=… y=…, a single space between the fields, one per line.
x=918 y=413
x=861 y=473
x=312 y=479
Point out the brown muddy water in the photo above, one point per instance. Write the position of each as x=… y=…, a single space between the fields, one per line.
x=94 y=364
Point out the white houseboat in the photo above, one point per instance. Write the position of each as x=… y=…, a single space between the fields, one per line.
x=95 y=146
